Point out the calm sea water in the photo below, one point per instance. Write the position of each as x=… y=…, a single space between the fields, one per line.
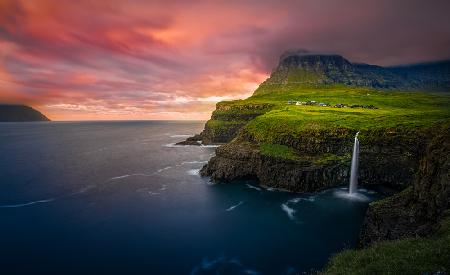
x=118 y=198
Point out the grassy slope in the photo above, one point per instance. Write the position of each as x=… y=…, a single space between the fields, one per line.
x=408 y=256
x=277 y=150
x=396 y=109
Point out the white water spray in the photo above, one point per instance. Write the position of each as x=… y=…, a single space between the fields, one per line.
x=354 y=172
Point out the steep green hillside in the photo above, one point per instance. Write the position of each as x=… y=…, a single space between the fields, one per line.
x=229 y=117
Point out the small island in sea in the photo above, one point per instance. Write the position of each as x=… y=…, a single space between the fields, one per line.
x=20 y=113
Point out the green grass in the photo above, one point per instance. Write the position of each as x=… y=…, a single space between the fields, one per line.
x=218 y=124
x=277 y=151
x=396 y=109
x=408 y=256
x=277 y=122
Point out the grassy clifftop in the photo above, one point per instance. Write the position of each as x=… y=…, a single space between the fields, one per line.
x=394 y=109
x=229 y=117
x=408 y=256
x=268 y=118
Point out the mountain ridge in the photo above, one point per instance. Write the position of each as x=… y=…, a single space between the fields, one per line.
x=316 y=69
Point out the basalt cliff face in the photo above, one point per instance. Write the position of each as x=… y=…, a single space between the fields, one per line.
x=414 y=212
x=323 y=160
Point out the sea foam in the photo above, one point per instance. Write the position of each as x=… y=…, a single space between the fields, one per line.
x=194 y=172
x=26 y=203
x=357 y=196
x=234 y=206
x=194 y=162
x=253 y=187
x=163 y=169
x=308 y=199
x=129 y=175
x=180 y=136
x=289 y=211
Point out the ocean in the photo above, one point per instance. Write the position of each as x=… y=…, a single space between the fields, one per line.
x=119 y=197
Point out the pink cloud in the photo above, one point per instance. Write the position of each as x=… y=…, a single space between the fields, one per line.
x=157 y=59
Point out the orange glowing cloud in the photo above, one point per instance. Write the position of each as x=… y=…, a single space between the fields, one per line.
x=170 y=59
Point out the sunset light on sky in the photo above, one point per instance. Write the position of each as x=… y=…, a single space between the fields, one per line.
x=81 y=60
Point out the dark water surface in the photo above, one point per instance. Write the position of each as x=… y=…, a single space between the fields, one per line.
x=118 y=197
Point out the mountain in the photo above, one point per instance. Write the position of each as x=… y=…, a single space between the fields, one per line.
x=314 y=69
x=20 y=113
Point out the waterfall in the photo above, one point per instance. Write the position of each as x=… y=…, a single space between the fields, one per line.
x=354 y=172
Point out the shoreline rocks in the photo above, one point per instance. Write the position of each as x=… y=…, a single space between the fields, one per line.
x=194 y=140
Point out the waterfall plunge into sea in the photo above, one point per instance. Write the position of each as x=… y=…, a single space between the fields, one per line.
x=354 y=172
x=352 y=193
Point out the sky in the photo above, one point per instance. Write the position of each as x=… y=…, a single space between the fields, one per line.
x=135 y=59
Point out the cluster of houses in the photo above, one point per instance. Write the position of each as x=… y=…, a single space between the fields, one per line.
x=309 y=103
x=322 y=104
x=355 y=106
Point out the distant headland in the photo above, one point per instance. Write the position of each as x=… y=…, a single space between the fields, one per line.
x=20 y=113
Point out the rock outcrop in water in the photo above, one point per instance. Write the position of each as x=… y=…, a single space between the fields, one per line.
x=20 y=113
x=194 y=140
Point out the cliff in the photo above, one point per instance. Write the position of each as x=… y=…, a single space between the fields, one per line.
x=408 y=233
x=416 y=211
x=20 y=113
x=316 y=160
x=229 y=118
